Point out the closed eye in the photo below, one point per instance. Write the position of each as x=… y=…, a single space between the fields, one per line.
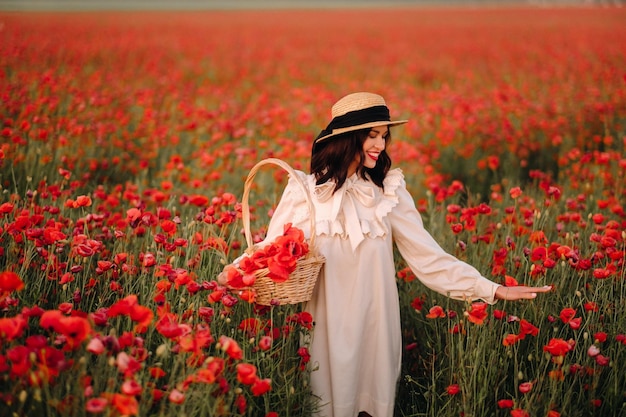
x=374 y=133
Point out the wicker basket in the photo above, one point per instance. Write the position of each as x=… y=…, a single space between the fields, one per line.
x=299 y=287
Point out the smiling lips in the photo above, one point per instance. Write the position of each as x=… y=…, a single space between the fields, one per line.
x=373 y=156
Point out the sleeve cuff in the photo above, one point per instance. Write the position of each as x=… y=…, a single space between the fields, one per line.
x=486 y=290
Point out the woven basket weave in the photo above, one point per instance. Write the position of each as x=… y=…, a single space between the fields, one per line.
x=299 y=287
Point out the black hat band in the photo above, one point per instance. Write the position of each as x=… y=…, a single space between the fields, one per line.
x=356 y=118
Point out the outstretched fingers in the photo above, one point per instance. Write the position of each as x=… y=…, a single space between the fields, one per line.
x=520 y=292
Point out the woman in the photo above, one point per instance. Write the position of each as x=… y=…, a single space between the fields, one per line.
x=362 y=207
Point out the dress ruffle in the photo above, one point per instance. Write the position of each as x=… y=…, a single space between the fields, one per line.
x=371 y=228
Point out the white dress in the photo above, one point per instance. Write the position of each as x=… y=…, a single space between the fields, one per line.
x=356 y=339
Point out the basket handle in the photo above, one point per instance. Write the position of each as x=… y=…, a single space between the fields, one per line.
x=245 y=207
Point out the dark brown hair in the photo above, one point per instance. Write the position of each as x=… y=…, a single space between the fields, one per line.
x=330 y=159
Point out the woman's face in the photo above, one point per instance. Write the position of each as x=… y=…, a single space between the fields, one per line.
x=373 y=145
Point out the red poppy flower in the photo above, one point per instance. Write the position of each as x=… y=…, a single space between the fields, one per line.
x=499 y=314
x=125 y=404
x=567 y=314
x=241 y=404
x=417 y=303
x=477 y=313
x=157 y=372
x=505 y=403
x=168 y=227
x=176 y=396
x=305 y=357
x=10 y=281
x=216 y=365
x=6 y=208
x=233 y=278
x=518 y=412
x=557 y=347
x=527 y=328
x=575 y=323
x=602 y=273
x=168 y=326
x=600 y=337
x=456 y=228
x=435 y=312
x=12 y=328
x=231 y=347
x=593 y=351
x=148 y=260
x=515 y=192
x=280 y=257
x=265 y=343
x=602 y=360
x=66 y=308
x=195 y=342
x=228 y=300
x=205 y=376
x=453 y=389
x=126 y=364
x=281 y=266
x=96 y=405
x=304 y=319
x=82 y=201
x=250 y=264
x=525 y=387
x=261 y=386
x=453 y=208
x=217 y=295
x=251 y=326
x=131 y=387
x=96 y=346
x=246 y=373
x=198 y=200
x=509 y=281
x=75 y=329
x=247 y=295
x=405 y=274
x=510 y=339
x=129 y=306
x=539 y=254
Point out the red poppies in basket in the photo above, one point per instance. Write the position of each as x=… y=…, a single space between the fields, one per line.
x=276 y=260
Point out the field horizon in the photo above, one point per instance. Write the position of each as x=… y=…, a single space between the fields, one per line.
x=169 y=5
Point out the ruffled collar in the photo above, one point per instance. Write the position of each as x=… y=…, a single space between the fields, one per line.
x=354 y=189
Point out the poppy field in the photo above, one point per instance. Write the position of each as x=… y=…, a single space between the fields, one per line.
x=125 y=140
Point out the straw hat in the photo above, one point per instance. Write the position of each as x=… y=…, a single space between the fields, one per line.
x=357 y=111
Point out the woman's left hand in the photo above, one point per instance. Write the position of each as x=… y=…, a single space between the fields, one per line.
x=520 y=292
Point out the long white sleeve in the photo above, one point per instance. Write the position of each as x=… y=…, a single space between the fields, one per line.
x=437 y=269
x=289 y=210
